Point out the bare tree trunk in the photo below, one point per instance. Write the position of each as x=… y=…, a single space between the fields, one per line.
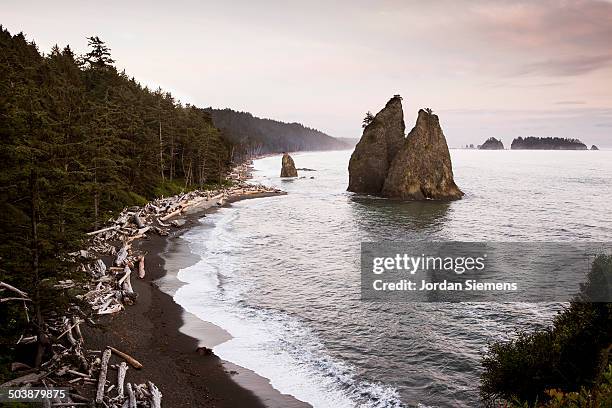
x=171 y=157
x=96 y=196
x=43 y=341
x=161 y=152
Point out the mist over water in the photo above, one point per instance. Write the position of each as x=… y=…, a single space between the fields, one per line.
x=282 y=274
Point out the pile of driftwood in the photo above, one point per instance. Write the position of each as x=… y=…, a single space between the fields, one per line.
x=108 y=291
x=74 y=367
x=242 y=172
x=113 y=287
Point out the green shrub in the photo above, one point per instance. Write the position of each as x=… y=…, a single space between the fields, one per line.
x=569 y=356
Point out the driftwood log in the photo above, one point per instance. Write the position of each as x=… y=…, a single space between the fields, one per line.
x=133 y=362
x=13 y=289
x=141 y=267
x=131 y=396
x=121 y=378
x=156 y=395
x=102 y=378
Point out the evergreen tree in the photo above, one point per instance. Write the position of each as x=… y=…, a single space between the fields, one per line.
x=99 y=56
x=80 y=141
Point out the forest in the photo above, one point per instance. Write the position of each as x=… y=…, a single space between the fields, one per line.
x=253 y=136
x=547 y=143
x=80 y=141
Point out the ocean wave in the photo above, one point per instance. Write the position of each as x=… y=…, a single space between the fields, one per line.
x=273 y=344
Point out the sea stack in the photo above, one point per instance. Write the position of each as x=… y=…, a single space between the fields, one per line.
x=382 y=138
x=492 y=144
x=422 y=169
x=594 y=147
x=288 y=169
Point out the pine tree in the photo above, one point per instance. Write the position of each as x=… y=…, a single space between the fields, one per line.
x=368 y=119
x=99 y=56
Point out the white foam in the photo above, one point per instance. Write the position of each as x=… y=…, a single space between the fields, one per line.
x=275 y=345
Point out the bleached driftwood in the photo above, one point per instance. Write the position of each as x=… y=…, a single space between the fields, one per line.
x=111 y=309
x=114 y=227
x=121 y=378
x=107 y=292
x=122 y=255
x=141 y=267
x=172 y=214
x=156 y=395
x=131 y=396
x=13 y=289
x=102 y=378
x=9 y=299
x=127 y=272
x=99 y=268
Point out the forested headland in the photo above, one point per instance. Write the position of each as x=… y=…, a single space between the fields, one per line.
x=253 y=136
x=80 y=141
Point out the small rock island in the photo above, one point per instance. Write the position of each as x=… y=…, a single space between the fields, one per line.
x=594 y=147
x=288 y=167
x=492 y=144
x=415 y=167
x=547 y=143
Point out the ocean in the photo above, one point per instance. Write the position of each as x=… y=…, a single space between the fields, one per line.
x=282 y=274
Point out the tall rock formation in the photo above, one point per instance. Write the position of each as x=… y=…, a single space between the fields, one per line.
x=422 y=169
x=288 y=169
x=381 y=140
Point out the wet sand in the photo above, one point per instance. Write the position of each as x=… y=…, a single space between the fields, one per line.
x=164 y=338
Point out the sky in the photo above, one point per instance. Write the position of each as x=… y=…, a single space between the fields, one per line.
x=488 y=68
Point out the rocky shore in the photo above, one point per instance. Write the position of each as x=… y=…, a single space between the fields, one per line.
x=119 y=343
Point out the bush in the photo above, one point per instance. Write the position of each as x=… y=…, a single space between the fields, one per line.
x=569 y=356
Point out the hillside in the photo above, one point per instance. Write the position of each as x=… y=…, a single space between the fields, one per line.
x=252 y=135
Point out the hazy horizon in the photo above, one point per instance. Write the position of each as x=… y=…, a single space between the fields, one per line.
x=500 y=69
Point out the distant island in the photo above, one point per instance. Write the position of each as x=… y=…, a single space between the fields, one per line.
x=594 y=147
x=547 y=143
x=492 y=144
x=253 y=136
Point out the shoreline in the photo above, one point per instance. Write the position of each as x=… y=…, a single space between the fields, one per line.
x=165 y=338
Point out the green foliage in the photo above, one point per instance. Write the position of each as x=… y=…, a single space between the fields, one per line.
x=81 y=140
x=367 y=120
x=599 y=396
x=571 y=354
x=99 y=56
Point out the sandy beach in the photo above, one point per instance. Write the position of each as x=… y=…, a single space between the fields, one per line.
x=155 y=329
